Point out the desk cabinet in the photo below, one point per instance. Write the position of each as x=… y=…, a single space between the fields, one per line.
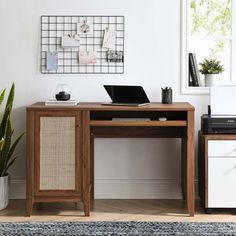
x=217 y=171
x=54 y=160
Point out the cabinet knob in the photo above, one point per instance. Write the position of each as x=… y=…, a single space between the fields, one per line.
x=77 y=125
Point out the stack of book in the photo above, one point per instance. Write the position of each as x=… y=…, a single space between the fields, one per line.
x=194 y=75
x=61 y=103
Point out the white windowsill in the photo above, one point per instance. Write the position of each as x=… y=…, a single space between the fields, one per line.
x=195 y=90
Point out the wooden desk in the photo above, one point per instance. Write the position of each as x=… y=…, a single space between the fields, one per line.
x=94 y=120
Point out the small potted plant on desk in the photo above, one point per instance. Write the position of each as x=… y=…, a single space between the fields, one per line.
x=7 y=147
x=211 y=68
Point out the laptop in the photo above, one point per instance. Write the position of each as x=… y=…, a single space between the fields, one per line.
x=126 y=95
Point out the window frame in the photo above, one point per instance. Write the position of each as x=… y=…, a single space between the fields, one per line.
x=185 y=88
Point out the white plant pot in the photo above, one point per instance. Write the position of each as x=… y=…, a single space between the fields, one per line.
x=4 y=191
x=211 y=80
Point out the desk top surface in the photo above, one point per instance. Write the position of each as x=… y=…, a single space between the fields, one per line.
x=91 y=106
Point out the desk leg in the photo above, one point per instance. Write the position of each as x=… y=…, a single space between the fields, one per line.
x=184 y=166
x=86 y=162
x=30 y=163
x=190 y=163
x=92 y=166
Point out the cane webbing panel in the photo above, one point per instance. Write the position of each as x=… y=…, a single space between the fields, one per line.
x=57 y=153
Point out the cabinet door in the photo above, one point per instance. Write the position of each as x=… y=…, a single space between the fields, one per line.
x=57 y=153
x=222 y=182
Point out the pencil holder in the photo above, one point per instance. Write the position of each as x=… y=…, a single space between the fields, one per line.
x=166 y=95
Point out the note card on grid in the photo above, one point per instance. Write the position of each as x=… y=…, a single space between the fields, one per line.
x=52 y=61
x=87 y=57
x=109 y=40
x=70 y=41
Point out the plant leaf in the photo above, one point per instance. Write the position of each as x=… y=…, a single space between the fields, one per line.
x=6 y=148
x=2 y=158
x=7 y=111
x=2 y=96
x=7 y=138
x=8 y=165
x=10 y=98
x=13 y=146
x=2 y=141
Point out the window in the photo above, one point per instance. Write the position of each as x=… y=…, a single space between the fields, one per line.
x=208 y=31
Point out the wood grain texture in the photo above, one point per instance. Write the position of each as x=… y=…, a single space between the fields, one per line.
x=30 y=162
x=201 y=167
x=190 y=163
x=115 y=210
x=177 y=106
x=78 y=160
x=184 y=166
x=137 y=132
x=34 y=192
x=138 y=123
x=94 y=120
x=54 y=114
x=92 y=165
x=86 y=162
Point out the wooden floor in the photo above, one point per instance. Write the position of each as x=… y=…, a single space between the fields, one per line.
x=115 y=210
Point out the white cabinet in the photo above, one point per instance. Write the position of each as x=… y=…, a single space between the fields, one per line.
x=221 y=182
x=217 y=170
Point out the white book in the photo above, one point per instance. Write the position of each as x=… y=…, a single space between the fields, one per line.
x=61 y=103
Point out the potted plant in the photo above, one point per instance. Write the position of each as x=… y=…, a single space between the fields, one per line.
x=7 y=147
x=211 y=68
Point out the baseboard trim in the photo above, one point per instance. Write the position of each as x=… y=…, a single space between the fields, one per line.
x=18 y=189
x=137 y=189
x=122 y=189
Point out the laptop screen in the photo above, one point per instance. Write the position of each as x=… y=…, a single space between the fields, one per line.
x=126 y=94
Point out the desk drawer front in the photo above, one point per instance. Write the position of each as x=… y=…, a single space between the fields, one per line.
x=221 y=148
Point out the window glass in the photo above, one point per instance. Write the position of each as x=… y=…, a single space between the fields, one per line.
x=210 y=18
x=219 y=49
x=209 y=34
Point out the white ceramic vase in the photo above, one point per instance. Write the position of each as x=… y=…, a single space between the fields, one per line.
x=4 y=191
x=211 y=80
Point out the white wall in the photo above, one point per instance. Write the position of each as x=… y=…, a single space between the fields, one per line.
x=140 y=167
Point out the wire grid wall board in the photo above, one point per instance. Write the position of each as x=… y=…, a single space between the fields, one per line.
x=53 y=28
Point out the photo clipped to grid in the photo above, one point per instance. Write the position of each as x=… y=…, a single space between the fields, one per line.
x=82 y=44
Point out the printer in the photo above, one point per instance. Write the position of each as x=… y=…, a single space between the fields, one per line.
x=221 y=117
x=218 y=125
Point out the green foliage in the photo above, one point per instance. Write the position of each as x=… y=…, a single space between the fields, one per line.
x=211 y=18
x=7 y=147
x=211 y=66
